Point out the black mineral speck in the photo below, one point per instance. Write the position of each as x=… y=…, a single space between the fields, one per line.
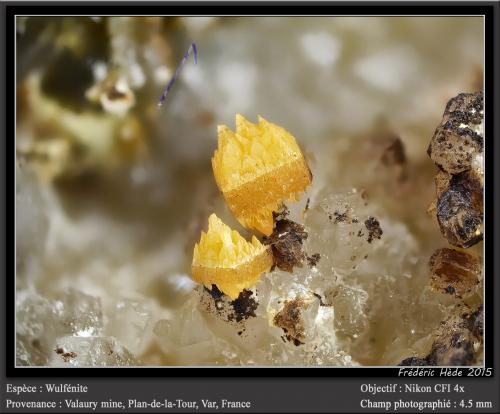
x=313 y=259
x=244 y=306
x=374 y=229
x=238 y=310
x=340 y=217
x=450 y=290
x=321 y=303
x=217 y=295
x=66 y=356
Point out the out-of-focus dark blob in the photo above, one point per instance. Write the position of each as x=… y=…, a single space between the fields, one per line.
x=46 y=43
x=457 y=149
x=68 y=86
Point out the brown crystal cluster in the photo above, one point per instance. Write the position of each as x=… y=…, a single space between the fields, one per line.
x=457 y=149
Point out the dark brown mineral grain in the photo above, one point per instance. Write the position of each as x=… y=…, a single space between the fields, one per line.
x=238 y=310
x=456 y=140
x=454 y=272
x=290 y=320
x=459 y=211
x=244 y=306
x=66 y=356
x=286 y=243
x=374 y=229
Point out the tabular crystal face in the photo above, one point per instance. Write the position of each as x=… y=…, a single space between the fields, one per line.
x=256 y=169
x=225 y=259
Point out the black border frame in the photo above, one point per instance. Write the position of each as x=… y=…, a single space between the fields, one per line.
x=489 y=9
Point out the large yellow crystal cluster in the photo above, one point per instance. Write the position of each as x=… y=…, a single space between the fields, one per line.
x=225 y=259
x=256 y=168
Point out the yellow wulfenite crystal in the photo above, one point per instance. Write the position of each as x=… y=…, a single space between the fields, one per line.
x=256 y=169
x=224 y=258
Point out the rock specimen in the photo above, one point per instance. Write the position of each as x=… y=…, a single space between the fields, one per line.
x=457 y=149
x=225 y=259
x=113 y=223
x=256 y=168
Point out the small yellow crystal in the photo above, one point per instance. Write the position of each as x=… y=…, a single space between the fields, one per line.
x=257 y=168
x=225 y=259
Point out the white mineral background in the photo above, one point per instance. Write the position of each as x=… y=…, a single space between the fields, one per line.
x=104 y=241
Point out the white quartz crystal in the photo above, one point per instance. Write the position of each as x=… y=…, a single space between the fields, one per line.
x=129 y=321
x=39 y=321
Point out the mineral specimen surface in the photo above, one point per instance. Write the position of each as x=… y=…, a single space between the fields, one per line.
x=112 y=192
